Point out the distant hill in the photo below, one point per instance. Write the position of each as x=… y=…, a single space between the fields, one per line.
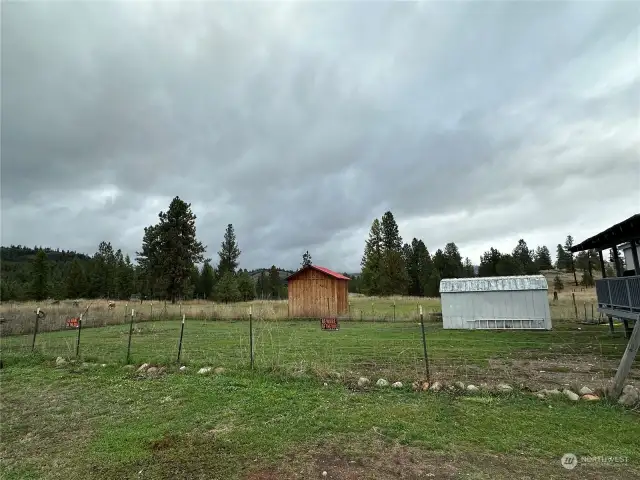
x=255 y=274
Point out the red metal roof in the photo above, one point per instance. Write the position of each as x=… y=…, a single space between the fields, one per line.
x=331 y=273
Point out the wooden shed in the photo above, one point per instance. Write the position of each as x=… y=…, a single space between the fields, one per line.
x=317 y=292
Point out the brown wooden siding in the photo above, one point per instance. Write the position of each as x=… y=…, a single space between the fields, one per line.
x=315 y=294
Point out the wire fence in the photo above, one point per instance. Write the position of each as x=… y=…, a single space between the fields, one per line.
x=572 y=354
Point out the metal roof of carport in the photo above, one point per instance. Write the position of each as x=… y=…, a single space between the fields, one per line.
x=624 y=231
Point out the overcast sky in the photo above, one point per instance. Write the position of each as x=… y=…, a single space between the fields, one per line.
x=477 y=123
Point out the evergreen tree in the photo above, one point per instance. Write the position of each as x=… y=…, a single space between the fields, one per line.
x=433 y=284
x=419 y=267
x=262 y=285
x=393 y=273
x=467 y=268
x=562 y=262
x=570 y=264
x=246 y=287
x=170 y=249
x=453 y=267
x=440 y=264
x=372 y=260
x=543 y=259
x=226 y=289
x=275 y=283
x=76 y=281
x=509 y=266
x=306 y=259
x=229 y=252
x=587 y=279
x=207 y=280
x=40 y=276
x=524 y=257
x=558 y=284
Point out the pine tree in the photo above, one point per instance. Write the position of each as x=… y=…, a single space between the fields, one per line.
x=372 y=260
x=246 y=287
x=468 y=269
x=489 y=263
x=453 y=262
x=40 y=276
x=170 y=249
x=226 y=289
x=570 y=264
x=207 y=280
x=306 y=259
x=524 y=257
x=262 y=286
x=587 y=279
x=561 y=258
x=558 y=284
x=229 y=252
x=275 y=283
x=393 y=273
x=76 y=281
x=543 y=259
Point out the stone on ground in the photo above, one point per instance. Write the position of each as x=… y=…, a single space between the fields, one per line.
x=425 y=386
x=219 y=370
x=571 y=395
x=504 y=387
x=436 y=387
x=590 y=397
x=397 y=385
x=204 y=370
x=554 y=391
x=630 y=396
x=472 y=388
x=362 y=381
x=183 y=368
x=459 y=385
x=585 y=391
x=152 y=371
x=60 y=361
x=382 y=383
x=143 y=368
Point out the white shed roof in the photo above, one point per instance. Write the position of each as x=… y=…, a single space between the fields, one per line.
x=493 y=284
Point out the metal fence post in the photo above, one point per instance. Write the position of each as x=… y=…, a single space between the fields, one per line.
x=78 y=339
x=35 y=330
x=394 y=310
x=180 y=342
x=130 y=332
x=424 y=346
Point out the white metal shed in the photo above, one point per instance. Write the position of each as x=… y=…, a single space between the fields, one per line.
x=517 y=302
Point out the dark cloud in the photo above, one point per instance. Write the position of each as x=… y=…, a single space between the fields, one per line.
x=299 y=123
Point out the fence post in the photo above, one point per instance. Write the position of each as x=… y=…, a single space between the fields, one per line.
x=126 y=307
x=35 y=330
x=585 y=312
x=394 y=310
x=424 y=345
x=575 y=305
x=78 y=339
x=151 y=312
x=180 y=342
x=251 y=336
x=180 y=310
x=130 y=332
x=592 y=317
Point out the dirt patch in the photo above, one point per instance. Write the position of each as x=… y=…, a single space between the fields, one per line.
x=382 y=461
x=167 y=441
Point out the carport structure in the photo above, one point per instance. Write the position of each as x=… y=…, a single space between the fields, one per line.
x=619 y=296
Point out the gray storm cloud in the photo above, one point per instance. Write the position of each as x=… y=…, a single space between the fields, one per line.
x=299 y=123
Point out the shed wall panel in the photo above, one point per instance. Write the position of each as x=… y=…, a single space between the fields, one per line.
x=316 y=294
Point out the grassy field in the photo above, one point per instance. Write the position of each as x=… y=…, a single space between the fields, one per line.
x=77 y=422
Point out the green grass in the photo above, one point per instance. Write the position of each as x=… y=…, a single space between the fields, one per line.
x=84 y=423
x=391 y=350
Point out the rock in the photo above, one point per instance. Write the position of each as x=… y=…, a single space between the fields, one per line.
x=103 y=365
x=630 y=396
x=571 y=395
x=472 y=388
x=504 y=387
x=325 y=384
x=585 y=391
x=60 y=361
x=540 y=395
x=436 y=387
x=382 y=383
x=554 y=391
x=590 y=397
x=183 y=368
x=143 y=368
x=204 y=370
x=397 y=385
x=324 y=473
x=162 y=370
x=219 y=370
x=362 y=381
x=415 y=386
x=425 y=386
x=459 y=385
x=336 y=375
x=152 y=371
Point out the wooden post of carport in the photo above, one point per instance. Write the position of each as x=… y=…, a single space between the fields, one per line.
x=634 y=253
x=604 y=275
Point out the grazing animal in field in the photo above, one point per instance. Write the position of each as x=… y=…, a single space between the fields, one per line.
x=112 y=305
x=76 y=303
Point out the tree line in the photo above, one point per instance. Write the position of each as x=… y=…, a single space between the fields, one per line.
x=391 y=267
x=171 y=265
